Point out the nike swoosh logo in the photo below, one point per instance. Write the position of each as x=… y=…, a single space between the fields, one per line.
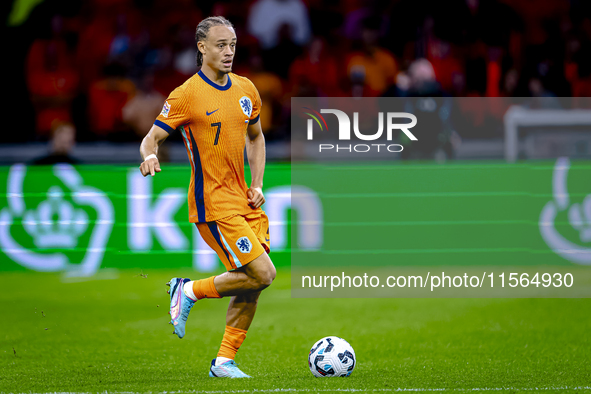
x=209 y=113
x=175 y=310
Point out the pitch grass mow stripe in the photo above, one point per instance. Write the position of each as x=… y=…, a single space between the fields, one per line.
x=288 y=390
x=509 y=343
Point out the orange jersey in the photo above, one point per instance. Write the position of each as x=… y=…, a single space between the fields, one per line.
x=213 y=120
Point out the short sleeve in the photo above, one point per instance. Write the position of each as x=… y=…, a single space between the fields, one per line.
x=175 y=112
x=256 y=106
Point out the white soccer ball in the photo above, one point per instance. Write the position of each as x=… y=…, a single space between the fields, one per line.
x=331 y=356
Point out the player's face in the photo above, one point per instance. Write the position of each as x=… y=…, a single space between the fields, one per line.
x=220 y=47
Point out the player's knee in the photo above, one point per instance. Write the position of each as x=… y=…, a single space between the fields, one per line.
x=270 y=276
x=261 y=272
x=266 y=277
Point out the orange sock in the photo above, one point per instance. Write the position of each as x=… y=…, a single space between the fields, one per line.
x=233 y=338
x=205 y=288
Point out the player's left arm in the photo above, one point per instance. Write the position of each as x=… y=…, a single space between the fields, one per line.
x=255 y=150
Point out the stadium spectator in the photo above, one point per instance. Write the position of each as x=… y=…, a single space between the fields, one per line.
x=270 y=89
x=540 y=48
x=112 y=29
x=175 y=58
x=139 y=112
x=580 y=76
x=107 y=97
x=541 y=98
x=184 y=56
x=423 y=81
x=355 y=19
x=372 y=64
x=537 y=16
x=52 y=78
x=510 y=82
x=63 y=139
x=316 y=71
x=428 y=102
x=282 y=28
x=267 y=18
x=449 y=71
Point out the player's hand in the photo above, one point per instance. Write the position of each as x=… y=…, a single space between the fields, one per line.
x=150 y=167
x=255 y=197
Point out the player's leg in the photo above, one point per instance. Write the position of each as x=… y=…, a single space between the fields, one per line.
x=241 y=310
x=239 y=249
x=256 y=276
x=184 y=292
x=247 y=280
x=240 y=313
x=260 y=272
x=241 y=243
x=250 y=278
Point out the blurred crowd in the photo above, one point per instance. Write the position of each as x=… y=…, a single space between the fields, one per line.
x=106 y=66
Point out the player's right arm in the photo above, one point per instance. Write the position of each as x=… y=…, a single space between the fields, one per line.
x=149 y=150
x=174 y=113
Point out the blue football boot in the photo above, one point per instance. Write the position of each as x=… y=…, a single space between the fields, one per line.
x=229 y=369
x=180 y=305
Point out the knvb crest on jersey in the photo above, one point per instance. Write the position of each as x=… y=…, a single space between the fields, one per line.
x=246 y=105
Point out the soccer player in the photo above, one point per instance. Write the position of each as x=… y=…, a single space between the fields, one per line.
x=217 y=113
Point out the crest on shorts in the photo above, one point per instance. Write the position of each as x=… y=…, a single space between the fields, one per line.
x=165 y=109
x=246 y=105
x=244 y=245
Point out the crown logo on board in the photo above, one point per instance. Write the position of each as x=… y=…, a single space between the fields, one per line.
x=55 y=223
x=579 y=216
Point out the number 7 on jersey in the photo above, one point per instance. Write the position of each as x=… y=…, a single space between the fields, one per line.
x=217 y=134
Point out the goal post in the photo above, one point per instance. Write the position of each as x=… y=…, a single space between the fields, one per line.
x=518 y=116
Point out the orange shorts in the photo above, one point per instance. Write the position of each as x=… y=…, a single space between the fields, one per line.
x=237 y=239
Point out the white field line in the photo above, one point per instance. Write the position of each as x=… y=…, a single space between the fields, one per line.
x=289 y=390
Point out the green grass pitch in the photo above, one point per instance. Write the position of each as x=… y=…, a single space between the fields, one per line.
x=112 y=336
